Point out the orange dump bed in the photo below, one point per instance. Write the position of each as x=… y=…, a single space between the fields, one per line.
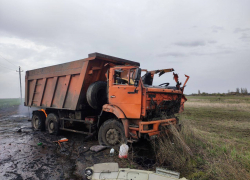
x=64 y=86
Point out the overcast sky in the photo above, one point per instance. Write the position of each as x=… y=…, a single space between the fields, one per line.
x=207 y=40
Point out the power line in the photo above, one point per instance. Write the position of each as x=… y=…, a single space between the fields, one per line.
x=7 y=60
x=7 y=68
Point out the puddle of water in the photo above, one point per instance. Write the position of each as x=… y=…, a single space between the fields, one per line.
x=18 y=116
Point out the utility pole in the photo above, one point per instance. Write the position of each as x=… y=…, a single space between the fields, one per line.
x=20 y=83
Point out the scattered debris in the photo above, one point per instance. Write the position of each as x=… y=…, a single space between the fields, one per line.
x=61 y=140
x=97 y=148
x=24 y=127
x=123 y=153
x=39 y=144
x=112 y=152
x=112 y=171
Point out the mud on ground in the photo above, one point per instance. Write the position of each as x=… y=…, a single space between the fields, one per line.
x=22 y=158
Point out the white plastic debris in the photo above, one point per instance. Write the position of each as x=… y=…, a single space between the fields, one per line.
x=112 y=152
x=123 y=153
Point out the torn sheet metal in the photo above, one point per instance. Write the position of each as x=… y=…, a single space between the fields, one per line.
x=112 y=171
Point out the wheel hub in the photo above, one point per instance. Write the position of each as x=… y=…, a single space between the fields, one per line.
x=51 y=125
x=36 y=122
x=112 y=136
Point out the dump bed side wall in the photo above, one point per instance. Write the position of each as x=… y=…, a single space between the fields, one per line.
x=56 y=86
x=64 y=86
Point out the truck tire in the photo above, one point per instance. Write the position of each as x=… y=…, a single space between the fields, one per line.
x=38 y=121
x=111 y=133
x=52 y=124
x=97 y=94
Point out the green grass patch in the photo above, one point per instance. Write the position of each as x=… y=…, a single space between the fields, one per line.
x=9 y=102
x=219 y=137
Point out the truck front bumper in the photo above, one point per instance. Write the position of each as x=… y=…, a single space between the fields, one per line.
x=155 y=127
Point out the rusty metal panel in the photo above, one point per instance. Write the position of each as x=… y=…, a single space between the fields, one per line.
x=38 y=92
x=49 y=91
x=32 y=87
x=71 y=95
x=59 y=91
x=57 y=70
x=64 y=91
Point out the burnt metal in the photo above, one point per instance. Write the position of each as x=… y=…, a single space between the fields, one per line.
x=151 y=95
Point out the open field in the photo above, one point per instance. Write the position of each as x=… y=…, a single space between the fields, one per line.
x=9 y=102
x=217 y=129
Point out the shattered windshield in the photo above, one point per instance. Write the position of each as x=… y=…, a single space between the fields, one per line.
x=154 y=78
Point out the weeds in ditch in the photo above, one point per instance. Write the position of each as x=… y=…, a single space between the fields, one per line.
x=218 y=142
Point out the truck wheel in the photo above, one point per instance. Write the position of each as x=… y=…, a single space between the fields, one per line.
x=38 y=121
x=97 y=94
x=52 y=124
x=111 y=133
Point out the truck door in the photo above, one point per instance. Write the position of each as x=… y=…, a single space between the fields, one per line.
x=123 y=93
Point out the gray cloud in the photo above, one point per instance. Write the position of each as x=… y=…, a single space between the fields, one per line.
x=216 y=29
x=173 y=54
x=237 y=30
x=179 y=54
x=212 y=42
x=244 y=37
x=191 y=43
x=159 y=34
x=211 y=53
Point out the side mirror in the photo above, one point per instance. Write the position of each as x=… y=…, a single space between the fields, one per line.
x=137 y=76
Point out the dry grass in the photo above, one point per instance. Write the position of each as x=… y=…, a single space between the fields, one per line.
x=171 y=149
x=231 y=106
x=218 y=135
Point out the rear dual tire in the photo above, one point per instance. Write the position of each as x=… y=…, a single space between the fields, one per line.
x=52 y=124
x=38 y=121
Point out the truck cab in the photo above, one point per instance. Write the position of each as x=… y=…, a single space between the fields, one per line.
x=142 y=108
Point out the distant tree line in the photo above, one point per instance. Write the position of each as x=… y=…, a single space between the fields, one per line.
x=239 y=91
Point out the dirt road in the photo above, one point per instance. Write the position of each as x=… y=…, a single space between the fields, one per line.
x=22 y=158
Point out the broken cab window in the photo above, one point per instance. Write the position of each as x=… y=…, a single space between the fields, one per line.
x=124 y=77
x=121 y=77
x=132 y=76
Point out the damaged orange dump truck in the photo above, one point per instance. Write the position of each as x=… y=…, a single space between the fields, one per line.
x=103 y=95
